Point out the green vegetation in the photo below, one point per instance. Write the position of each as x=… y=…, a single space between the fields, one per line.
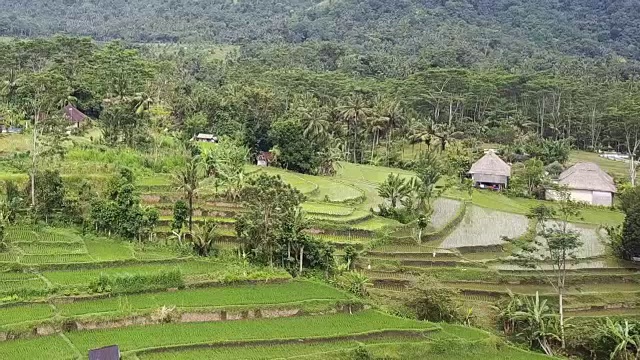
x=150 y=210
x=205 y=270
x=53 y=347
x=137 y=338
x=209 y=297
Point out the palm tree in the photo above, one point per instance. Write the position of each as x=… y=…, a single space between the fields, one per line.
x=445 y=133
x=10 y=86
x=187 y=179
x=375 y=127
x=354 y=113
x=296 y=238
x=202 y=239
x=330 y=159
x=394 y=189
x=142 y=103
x=393 y=113
x=423 y=222
x=316 y=123
x=421 y=132
x=355 y=282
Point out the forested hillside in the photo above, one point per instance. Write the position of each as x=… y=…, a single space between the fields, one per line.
x=463 y=32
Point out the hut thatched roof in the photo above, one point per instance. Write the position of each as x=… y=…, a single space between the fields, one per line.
x=491 y=164
x=73 y=115
x=587 y=176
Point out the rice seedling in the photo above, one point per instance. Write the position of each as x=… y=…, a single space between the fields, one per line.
x=133 y=338
x=55 y=259
x=49 y=347
x=483 y=227
x=327 y=209
x=210 y=297
x=443 y=211
x=221 y=270
x=52 y=248
x=21 y=313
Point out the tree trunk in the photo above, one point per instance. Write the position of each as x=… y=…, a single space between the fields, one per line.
x=632 y=169
x=373 y=146
x=190 y=213
x=420 y=236
x=388 y=144
x=355 y=142
x=301 y=258
x=33 y=165
x=561 y=310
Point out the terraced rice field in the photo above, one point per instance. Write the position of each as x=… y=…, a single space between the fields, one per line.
x=294 y=293
x=15 y=314
x=139 y=337
x=317 y=187
x=592 y=243
x=327 y=209
x=356 y=216
x=265 y=294
x=444 y=210
x=303 y=349
x=375 y=224
x=583 y=265
x=483 y=227
x=205 y=270
x=11 y=282
x=51 y=347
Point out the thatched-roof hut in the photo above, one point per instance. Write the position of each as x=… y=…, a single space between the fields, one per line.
x=588 y=183
x=75 y=116
x=490 y=171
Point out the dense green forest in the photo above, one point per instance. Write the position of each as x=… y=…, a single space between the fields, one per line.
x=466 y=32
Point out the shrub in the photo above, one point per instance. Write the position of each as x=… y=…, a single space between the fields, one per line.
x=631 y=232
x=429 y=300
x=138 y=282
x=354 y=282
x=361 y=353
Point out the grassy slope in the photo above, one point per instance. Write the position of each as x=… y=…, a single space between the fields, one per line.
x=497 y=201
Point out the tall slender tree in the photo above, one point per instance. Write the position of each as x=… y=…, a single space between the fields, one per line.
x=187 y=180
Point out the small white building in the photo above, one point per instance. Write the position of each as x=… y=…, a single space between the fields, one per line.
x=587 y=183
x=205 y=138
x=490 y=172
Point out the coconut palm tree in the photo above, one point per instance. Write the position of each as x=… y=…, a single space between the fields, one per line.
x=394 y=115
x=394 y=189
x=202 y=239
x=420 y=132
x=187 y=180
x=9 y=86
x=354 y=113
x=330 y=159
x=445 y=133
x=376 y=125
x=316 y=123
